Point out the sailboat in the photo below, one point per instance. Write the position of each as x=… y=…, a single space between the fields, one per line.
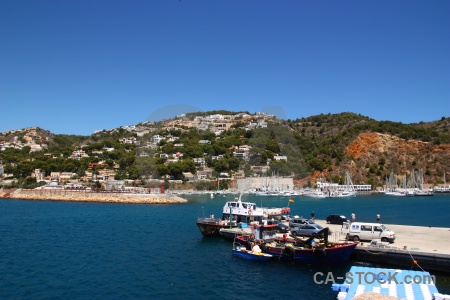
x=349 y=189
x=421 y=191
x=442 y=189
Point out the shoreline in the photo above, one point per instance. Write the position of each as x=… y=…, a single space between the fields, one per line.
x=94 y=197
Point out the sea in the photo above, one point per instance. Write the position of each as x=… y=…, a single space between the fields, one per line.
x=78 y=250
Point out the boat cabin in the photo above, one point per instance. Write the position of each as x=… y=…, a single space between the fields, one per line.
x=242 y=212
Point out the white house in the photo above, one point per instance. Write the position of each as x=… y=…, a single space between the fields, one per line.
x=245 y=148
x=239 y=155
x=156 y=139
x=78 y=154
x=280 y=157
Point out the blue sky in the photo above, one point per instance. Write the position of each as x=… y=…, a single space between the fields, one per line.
x=74 y=67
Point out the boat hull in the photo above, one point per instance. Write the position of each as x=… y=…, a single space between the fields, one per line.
x=211 y=228
x=337 y=255
x=250 y=256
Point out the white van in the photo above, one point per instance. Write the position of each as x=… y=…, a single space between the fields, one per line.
x=367 y=231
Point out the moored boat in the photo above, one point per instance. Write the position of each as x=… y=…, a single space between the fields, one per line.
x=238 y=212
x=249 y=213
x=211 y=227
x=316 y=250
x=254 y=254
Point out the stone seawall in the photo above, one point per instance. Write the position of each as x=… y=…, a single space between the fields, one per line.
x=81 y=196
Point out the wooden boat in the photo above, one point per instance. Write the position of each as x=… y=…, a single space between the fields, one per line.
x=315 y=250
x=238 y=211
x=241 y=251
x=211 y=227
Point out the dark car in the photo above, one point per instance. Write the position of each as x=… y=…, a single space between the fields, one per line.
x=306 y=230
x=336 y=219
x=281 y=227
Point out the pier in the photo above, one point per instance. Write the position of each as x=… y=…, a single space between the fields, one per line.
x=102 y=197
x=415 y=247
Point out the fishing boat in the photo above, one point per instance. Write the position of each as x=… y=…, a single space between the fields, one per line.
x=211 y=226
x=315 y=250
x=249 y=213
x=238 y=212
x=254 y=254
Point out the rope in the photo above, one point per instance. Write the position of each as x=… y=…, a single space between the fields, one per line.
x=389 y=250
x=414 y=261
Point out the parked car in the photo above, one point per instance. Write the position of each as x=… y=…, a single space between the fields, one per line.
x=297 y=221
x=367 y=231
x=306 y=230
x=336 y=219
x=281 y=227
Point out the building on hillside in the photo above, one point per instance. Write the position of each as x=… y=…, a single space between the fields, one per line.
x=238 y=175
x=259 y=169
x=204 y=174
x=188 y=176
x=199 y=161
x=66 y=176
x=40 y=176
x=266 y=183
x=55 y=175
x=114 y=185
x=243 y=156
x=244 y=148
x=280 y=157
x=106 y=174
x=156 y=139
x=78 y=154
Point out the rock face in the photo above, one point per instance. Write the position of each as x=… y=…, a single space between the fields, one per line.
x=371 y=142
x=379 y=154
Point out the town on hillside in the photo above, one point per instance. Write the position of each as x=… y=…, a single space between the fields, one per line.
x=221 y=150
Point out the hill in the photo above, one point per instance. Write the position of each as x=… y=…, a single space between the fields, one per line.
x=236 y=144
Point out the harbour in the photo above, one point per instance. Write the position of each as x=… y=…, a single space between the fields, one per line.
x=78 y=250
x=415 y=247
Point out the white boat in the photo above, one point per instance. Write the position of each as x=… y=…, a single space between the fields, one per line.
x=249 y=212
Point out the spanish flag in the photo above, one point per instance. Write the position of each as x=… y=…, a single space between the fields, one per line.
x=291 y=200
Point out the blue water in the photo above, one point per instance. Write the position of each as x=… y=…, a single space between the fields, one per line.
x=115 y=251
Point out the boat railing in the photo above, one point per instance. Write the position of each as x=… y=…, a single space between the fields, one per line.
x=200 y=219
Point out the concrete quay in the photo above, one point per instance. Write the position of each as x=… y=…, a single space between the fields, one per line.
x=428 y=246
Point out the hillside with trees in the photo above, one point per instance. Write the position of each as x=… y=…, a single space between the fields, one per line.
x=207 y=145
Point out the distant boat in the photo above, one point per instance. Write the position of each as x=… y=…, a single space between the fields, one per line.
x=442 y=189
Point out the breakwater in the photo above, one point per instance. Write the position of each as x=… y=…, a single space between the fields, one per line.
x=103 y=197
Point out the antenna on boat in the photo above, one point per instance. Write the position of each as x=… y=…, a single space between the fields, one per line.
x=203 y=209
